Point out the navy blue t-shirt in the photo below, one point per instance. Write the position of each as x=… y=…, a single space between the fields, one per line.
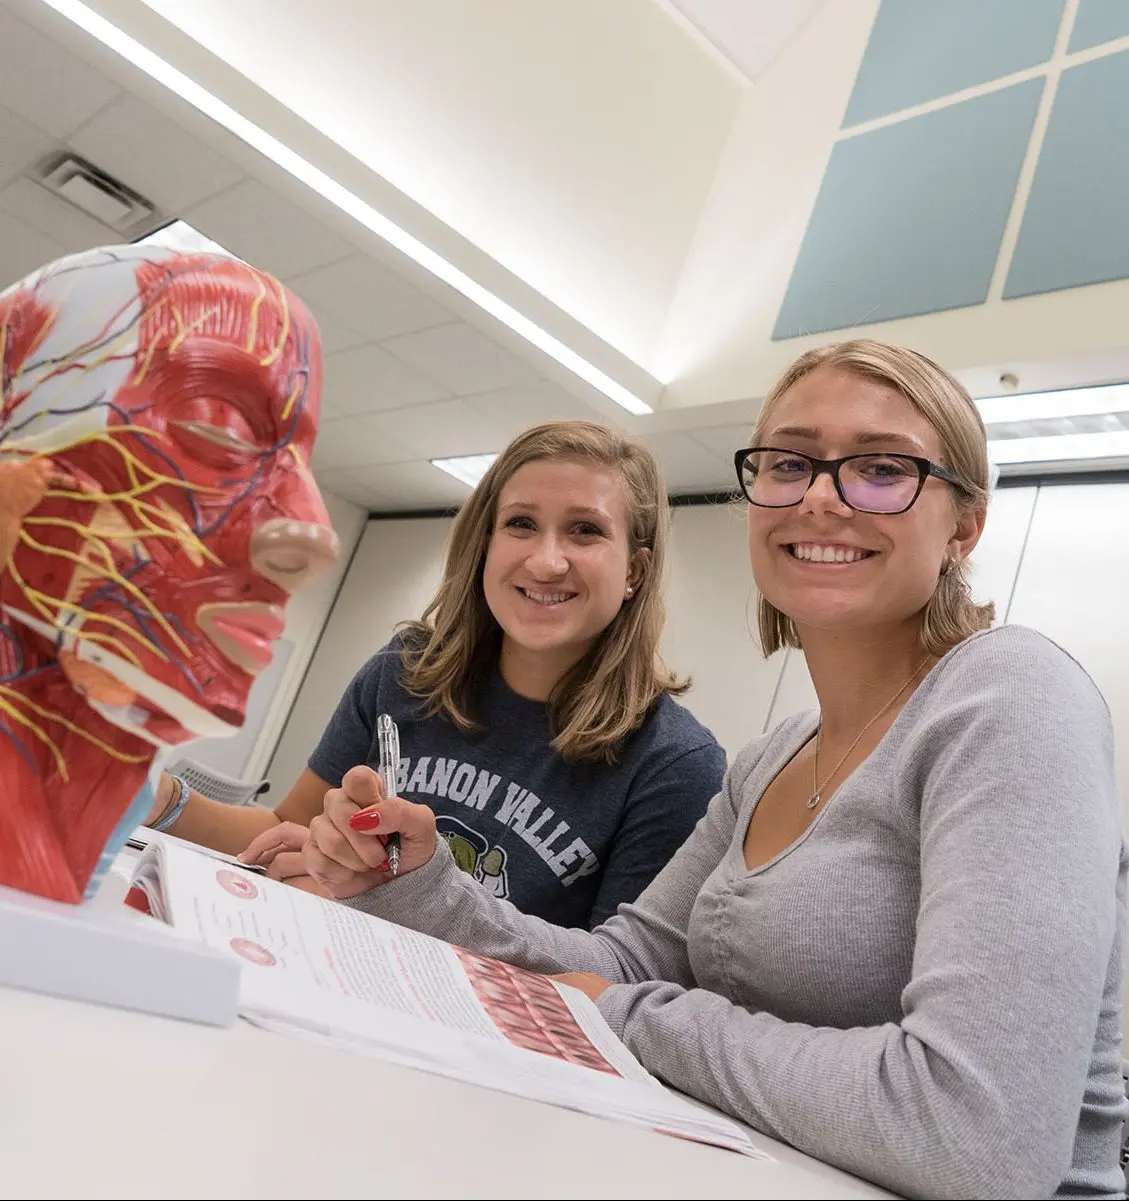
x=568 y=842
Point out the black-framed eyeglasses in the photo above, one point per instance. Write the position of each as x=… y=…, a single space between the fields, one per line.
x=872 y=483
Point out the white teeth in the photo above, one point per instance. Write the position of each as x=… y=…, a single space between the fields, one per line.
x=547 y=598
x=815 y=553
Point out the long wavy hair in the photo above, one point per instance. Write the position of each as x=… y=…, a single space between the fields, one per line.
x=454 y=648
x=951 y=614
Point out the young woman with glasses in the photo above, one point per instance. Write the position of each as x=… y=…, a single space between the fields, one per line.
x=895 y=940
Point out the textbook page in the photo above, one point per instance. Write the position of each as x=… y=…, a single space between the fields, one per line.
x=323 y=971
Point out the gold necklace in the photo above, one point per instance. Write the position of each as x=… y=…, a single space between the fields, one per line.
x=817 y=794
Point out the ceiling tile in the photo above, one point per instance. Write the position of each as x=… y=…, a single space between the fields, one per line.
x=368 y=297
x=48 y=85
x=409 y=486
x=723 y=440
x=463 y=359
x=155 y=156
x=438 y=431
x=525 y=405
x=750 y=33
x=358 y=491
x=686 y=465
x=23 y=249
x=382 y=441
x=367 y=379
x=267 y=230
x=20 y=145
x=335 y=336
x=50 y=215
x=346 y=442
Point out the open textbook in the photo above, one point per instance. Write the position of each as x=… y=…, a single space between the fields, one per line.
x=319 y=970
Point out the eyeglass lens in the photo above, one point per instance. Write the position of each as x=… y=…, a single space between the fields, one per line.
x=872 y=483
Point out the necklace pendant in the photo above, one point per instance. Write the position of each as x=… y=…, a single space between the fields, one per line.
x=814 y=799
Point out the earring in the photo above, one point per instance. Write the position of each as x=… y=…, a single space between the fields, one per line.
x=949 y=565
x=630 y=592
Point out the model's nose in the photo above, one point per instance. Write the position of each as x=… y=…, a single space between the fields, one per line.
x=289 y=553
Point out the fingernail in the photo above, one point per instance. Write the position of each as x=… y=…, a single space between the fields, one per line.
x=365 y=822
x=384 y=867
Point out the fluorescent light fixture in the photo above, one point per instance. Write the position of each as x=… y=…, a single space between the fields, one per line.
x=1072 y=402
x=348 y=202
x=1064 y=448
x=1065 y=426
x=179 y=235
x=468 y=469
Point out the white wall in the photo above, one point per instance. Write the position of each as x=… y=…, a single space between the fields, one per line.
x=712 y=622
x=394 y=574
x=1073 y=585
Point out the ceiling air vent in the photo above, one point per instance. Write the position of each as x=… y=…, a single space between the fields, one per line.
x=97 y=194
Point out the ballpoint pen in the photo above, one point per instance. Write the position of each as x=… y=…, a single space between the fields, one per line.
x=388 y=742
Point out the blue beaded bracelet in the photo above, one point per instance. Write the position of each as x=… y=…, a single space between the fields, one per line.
x=172 y=814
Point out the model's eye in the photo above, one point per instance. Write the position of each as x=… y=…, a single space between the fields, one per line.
x=218 y=436
x=216 y=433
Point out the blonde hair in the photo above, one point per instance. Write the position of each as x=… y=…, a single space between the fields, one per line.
x=951 y=615
x=452 y=650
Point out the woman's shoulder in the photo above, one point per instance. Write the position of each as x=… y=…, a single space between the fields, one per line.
x=1010 y=662
x=670 y=726
x=775 y=746
x=379 y=680
x=1006 y=695
x=386 y=663
x=672 y=738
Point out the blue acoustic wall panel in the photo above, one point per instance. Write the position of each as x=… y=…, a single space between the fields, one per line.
x=1099 y=21
x=1075 y=227
x=909 y=218
x=921 y=50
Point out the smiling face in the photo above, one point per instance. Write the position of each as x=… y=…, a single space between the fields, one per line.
x=181 y=395
x=829 y=567
x=559 y=564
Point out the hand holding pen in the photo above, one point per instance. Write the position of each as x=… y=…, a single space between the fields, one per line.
x=365 y=834
x=348 y=846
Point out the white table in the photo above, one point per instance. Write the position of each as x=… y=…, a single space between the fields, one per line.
x=98 y=1102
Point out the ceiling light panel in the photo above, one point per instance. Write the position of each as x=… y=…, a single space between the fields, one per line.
x=469 y=469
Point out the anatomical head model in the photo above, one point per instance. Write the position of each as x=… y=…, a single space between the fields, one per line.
x=156 y=512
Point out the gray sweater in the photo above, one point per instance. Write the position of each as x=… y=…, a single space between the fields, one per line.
x=925 y=988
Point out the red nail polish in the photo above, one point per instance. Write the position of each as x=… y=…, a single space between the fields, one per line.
x=365 y=822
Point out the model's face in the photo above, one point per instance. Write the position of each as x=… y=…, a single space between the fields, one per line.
x=167 y=572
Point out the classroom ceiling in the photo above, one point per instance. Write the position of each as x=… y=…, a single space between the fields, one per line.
x=407 y=379
x=680 y=243
x=749 y=34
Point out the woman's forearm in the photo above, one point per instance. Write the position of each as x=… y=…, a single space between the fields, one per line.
x=222 y=827
x=231 y=827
